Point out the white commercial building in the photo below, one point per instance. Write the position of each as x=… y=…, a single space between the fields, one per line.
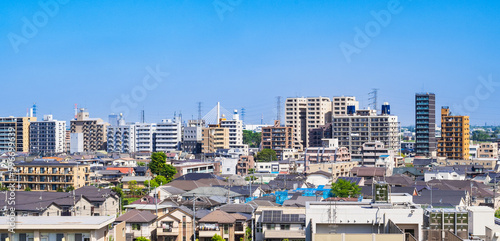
x=76 y=140
x=47 y=137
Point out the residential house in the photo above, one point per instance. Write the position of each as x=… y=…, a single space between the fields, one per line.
x=138 y=224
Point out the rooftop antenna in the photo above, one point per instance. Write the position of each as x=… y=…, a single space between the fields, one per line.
x=262 y=119
x=142 y=116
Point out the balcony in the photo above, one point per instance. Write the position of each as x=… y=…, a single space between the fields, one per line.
x=168 y=231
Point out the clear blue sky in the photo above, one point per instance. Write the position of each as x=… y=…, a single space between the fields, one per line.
x=93 y=52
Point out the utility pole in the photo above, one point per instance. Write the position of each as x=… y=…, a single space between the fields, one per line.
x=194 y=218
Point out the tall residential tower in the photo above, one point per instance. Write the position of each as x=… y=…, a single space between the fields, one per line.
x=425 y=124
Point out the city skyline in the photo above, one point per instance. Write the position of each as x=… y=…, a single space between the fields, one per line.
x=93 y=53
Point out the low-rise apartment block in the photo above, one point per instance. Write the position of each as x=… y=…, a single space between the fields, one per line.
x=48 y=175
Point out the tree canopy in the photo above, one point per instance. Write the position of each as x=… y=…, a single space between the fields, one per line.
x=159 y=166
x=141 y=239
x=217 y=237
x=266 y=155
x=252 y=139
x=343 y=188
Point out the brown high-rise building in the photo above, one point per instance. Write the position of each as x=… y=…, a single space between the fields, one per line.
x=93 y=130
x=454 y=142
x=277 y=138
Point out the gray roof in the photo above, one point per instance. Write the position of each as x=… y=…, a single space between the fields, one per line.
x=238 y=208
x=211 y=191
x=136 y=216
x=135 y=178
x=61 y=222
x=172 y=190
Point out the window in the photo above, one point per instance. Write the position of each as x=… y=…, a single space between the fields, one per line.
x=270 y=226
x=226 y=228
x=136 y=226
x=285 y=226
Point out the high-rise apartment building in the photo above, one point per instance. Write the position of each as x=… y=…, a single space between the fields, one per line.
x=47 y=137
x=17 y=127
x=156 y=137
x=353 y=130
x=168 y=135
x=340 y=104
x=303 y=114
x=191 y=139
x=214 y=137
x=425 y=124
x=454 y=142
x=93 y=130
x=235 y=127
x=121 y=137
x=277 y=138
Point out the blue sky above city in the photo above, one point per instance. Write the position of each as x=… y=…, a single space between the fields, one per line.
x=245 y=53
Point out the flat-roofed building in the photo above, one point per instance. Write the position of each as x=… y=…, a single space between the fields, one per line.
x=303 y=113
x=488 y=150
x=214 y=138
x=47 y=137
x=15 y=130
x=48 y=175
x=277 y=138
x=455 y=133
x=361 y=126
x=91 y=228
x=94 y=131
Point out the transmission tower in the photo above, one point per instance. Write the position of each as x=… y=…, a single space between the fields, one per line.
x=278 y=108
x=373 y=97
x=243 y=111
x=199 y=113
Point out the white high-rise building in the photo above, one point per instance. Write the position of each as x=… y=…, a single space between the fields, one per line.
x=154 y=137
x=168 y=135
x=235 y=127
x=144 y=134
x=47 y=137
x=121 y=136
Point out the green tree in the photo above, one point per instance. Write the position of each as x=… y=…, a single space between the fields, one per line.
x=217 y=237
x=248 y=234
x=69 y=189
x=118 y=191
x=266 y=155
x=343 y=188
x=141 y=239
x=161 y=180
x=159 y=166
x=497 y=213
x=27 y=189
x=132 y=186
x=59 y=189
x=141 y=164
x=252 y=139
